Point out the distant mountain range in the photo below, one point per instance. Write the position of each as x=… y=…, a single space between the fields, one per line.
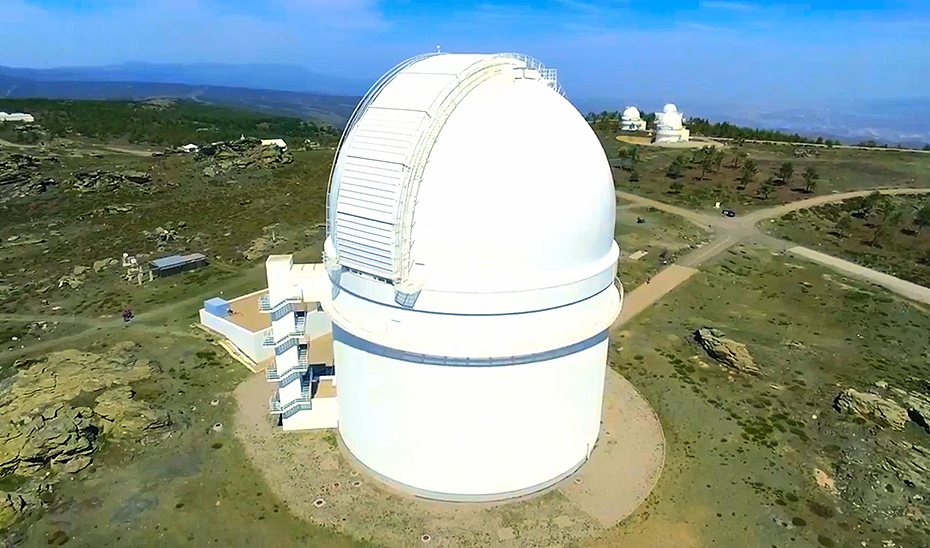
x=261 y=76
x=295 y=91
x=229 y=85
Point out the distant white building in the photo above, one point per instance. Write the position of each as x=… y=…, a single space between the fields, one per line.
x=631 y=120
x=275 y=143
x=669 y=126
x=19 y=117
x=189 y=148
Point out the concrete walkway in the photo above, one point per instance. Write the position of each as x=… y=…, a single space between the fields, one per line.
x=648 y=293
x=626 y=462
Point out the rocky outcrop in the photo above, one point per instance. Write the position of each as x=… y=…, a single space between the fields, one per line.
x=15 y=504
x=20 y=176
x=46 y=427
x=124 y=416
x=806 y=152
x=103 y=264
x=137 y=177
x=871 y=406
x=918 y=409
x=241 y=154
x=100 y=180
x=261 y=246
x=909 y=462
x=731 y=354
x=161 y=234
x=62 y=437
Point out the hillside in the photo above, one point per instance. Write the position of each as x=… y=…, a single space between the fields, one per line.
x=158 y=122
x=251 y=75
x=332 y=109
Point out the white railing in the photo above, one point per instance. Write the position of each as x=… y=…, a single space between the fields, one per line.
x=274 y=404
x=264 y=303
x=548 y=74
x=305 y=401
x=270 y=341
x=272 y=374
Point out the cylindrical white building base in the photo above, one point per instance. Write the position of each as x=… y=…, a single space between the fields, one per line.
x=414 y=420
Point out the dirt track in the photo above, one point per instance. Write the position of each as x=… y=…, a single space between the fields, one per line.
x=895 y=285
x=732 y=231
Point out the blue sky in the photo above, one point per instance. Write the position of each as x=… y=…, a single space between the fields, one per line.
x=718 y=51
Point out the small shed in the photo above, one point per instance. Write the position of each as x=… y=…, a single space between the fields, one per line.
x=275 y=143
x=166 y=266
x=217 y=307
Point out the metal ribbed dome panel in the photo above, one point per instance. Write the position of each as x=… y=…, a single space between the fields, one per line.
x=385 y=149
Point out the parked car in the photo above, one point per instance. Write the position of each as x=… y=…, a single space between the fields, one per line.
x=729 y=212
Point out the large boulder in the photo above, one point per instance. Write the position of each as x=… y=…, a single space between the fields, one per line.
x=727 y=352
x=871 y=406
x=137 y=177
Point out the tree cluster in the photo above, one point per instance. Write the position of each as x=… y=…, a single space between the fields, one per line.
x=726 y=130
x=891 y=216
x=173 y=124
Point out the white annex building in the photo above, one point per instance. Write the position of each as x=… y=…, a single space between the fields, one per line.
x=669 y=126
x=467 y=287
x=631 y=120
x=17 y=117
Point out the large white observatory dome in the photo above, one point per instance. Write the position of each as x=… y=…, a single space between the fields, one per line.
x=671 y=120
x=472 y=261
x=670 y=125
x=631 y=113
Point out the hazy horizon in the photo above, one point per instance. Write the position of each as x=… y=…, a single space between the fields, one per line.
x=773 y=54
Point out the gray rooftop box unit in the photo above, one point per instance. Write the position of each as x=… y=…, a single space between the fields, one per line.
x=173 y=264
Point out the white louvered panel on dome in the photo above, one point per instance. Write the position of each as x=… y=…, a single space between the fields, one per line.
x=365 y=244
x=385 y=135
x=369 y=188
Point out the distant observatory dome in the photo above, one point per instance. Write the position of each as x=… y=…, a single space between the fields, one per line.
x=631 y=120
x=470 y=248
x=670 y=126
